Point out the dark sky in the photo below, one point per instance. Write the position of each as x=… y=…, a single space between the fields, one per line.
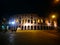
x=42 y=7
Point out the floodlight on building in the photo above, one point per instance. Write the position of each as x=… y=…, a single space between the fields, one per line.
x=49 y=24
x=33 y=21
x=13 y=22
x=55 y=24
x=27 y=24
x=38 y=21
x=41 y=21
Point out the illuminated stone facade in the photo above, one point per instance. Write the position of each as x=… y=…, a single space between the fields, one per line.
x=34 y=22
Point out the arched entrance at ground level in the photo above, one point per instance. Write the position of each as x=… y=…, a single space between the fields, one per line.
x=25 y=27
x=31 y=27
x=34 y=27
x=38 y=27
x=22 y=27
x=28 y=27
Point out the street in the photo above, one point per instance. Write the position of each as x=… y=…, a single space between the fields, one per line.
x=29 y=37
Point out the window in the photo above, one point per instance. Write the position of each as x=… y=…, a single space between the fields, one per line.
x=38 y=27
x=19 y=21
x=22 y=27
x=25 y=27
x=28 y=21
x=34 y=27
x=31 y=17
x=31 y=21
x=22 y=21
x=38 y=21
x=41 y=21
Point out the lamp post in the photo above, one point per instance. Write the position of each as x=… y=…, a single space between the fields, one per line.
x=54 y=19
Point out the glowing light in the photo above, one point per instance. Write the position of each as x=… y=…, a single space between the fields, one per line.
x=41 y=20
x=18 y=28
x=56 y=1
x=27 y=24
x=53 y=16
x=13 y=22
x=33 y=21
x=49 y=24
x=55 y=25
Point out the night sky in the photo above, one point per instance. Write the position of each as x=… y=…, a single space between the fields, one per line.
x=42 y=7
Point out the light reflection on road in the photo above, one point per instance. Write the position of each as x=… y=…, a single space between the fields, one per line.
x=31 y=38
x=11 y=37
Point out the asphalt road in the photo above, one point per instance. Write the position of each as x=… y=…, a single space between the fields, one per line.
x=29 y=38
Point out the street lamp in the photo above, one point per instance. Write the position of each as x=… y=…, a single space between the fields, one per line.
x=56 y=1
x=53 y=16
x=13 y=22
x=54 y=19
x=55 y=24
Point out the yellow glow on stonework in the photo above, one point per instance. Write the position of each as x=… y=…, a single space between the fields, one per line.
x=46 y=21
x=33 y=21
x=55 y=24
x=27 y=24
x=41 y=21
x=38 y=21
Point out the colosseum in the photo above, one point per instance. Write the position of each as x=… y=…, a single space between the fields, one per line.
x=34 y=22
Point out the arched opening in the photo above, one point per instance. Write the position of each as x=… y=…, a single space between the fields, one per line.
x=31 y=27
x=25 y=27
x=28 y=27
x=34 y=27
x=22 y=27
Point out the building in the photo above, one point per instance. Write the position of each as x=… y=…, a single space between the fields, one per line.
x=33 y=22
